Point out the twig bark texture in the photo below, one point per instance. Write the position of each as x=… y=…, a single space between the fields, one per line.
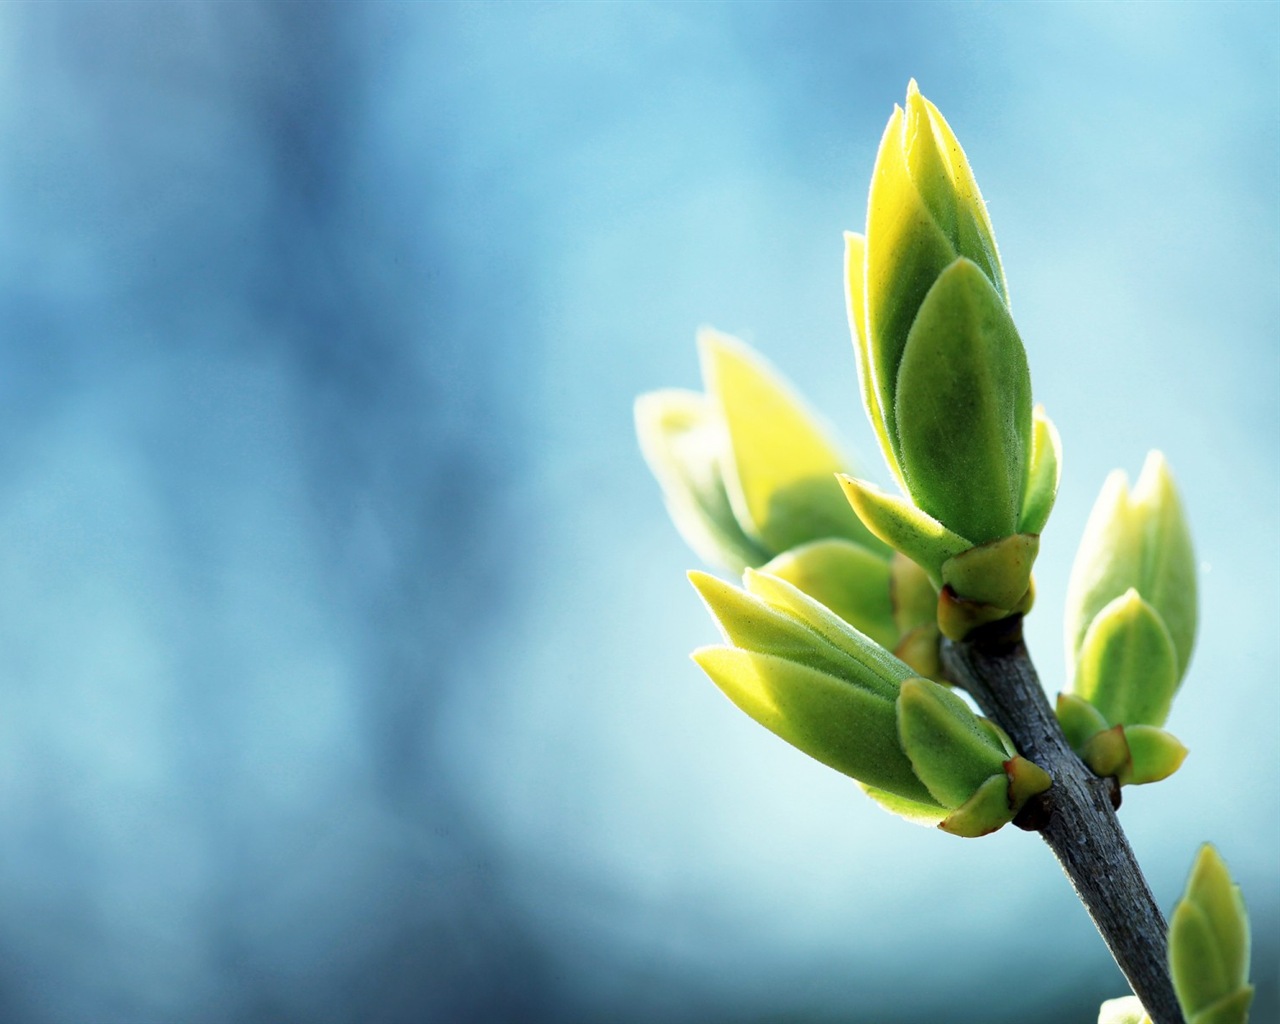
x=1076 y=816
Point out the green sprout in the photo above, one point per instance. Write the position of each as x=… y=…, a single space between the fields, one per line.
x=863 y=615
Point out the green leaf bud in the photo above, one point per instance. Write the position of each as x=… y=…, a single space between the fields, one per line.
x=841 y=724
x=1128 y=668
x=1136 y=540
x=1079 y=720
x=847 y=578
x=1107 y=753
x=941 y=367
x=1209 y=946
x=986 y=811
x=1154 y=754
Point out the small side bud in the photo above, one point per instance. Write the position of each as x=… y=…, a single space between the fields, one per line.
x=1107 y=753
x=1079 y=720
x=1128 y=668
x=1209 y=946
x=1154 y=754
x=985 y=812
x=1137 y=541
x=1026 y=779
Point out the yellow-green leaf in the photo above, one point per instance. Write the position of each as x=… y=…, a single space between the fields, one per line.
x=848 y=579
x=906 y=251
x=1045 y=472
x=904 y=527
x=942 y=174
x=983 y=813
x=918 y=812
x=962 y=407
x=780 y=466
x=1168 y=573
x=1079 y=720
x=855 y=293
x=1128 y=668
x=845 y=727
x=684 y=443
x=1155 y=754
x=951 y=753
x=870 y=663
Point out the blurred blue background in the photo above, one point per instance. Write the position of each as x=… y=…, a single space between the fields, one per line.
x=343 y=638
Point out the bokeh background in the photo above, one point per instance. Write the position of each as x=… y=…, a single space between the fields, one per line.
x=343 y=639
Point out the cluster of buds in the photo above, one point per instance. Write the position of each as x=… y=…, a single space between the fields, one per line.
x=944 y=379
x=833 y=644
x=1208 y=952
x=749 y=479
x=1130 y=627
x=808 y=676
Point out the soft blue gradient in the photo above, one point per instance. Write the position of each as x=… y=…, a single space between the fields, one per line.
x=343 y=640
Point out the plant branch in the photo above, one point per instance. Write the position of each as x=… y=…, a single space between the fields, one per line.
x=1076 y=817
